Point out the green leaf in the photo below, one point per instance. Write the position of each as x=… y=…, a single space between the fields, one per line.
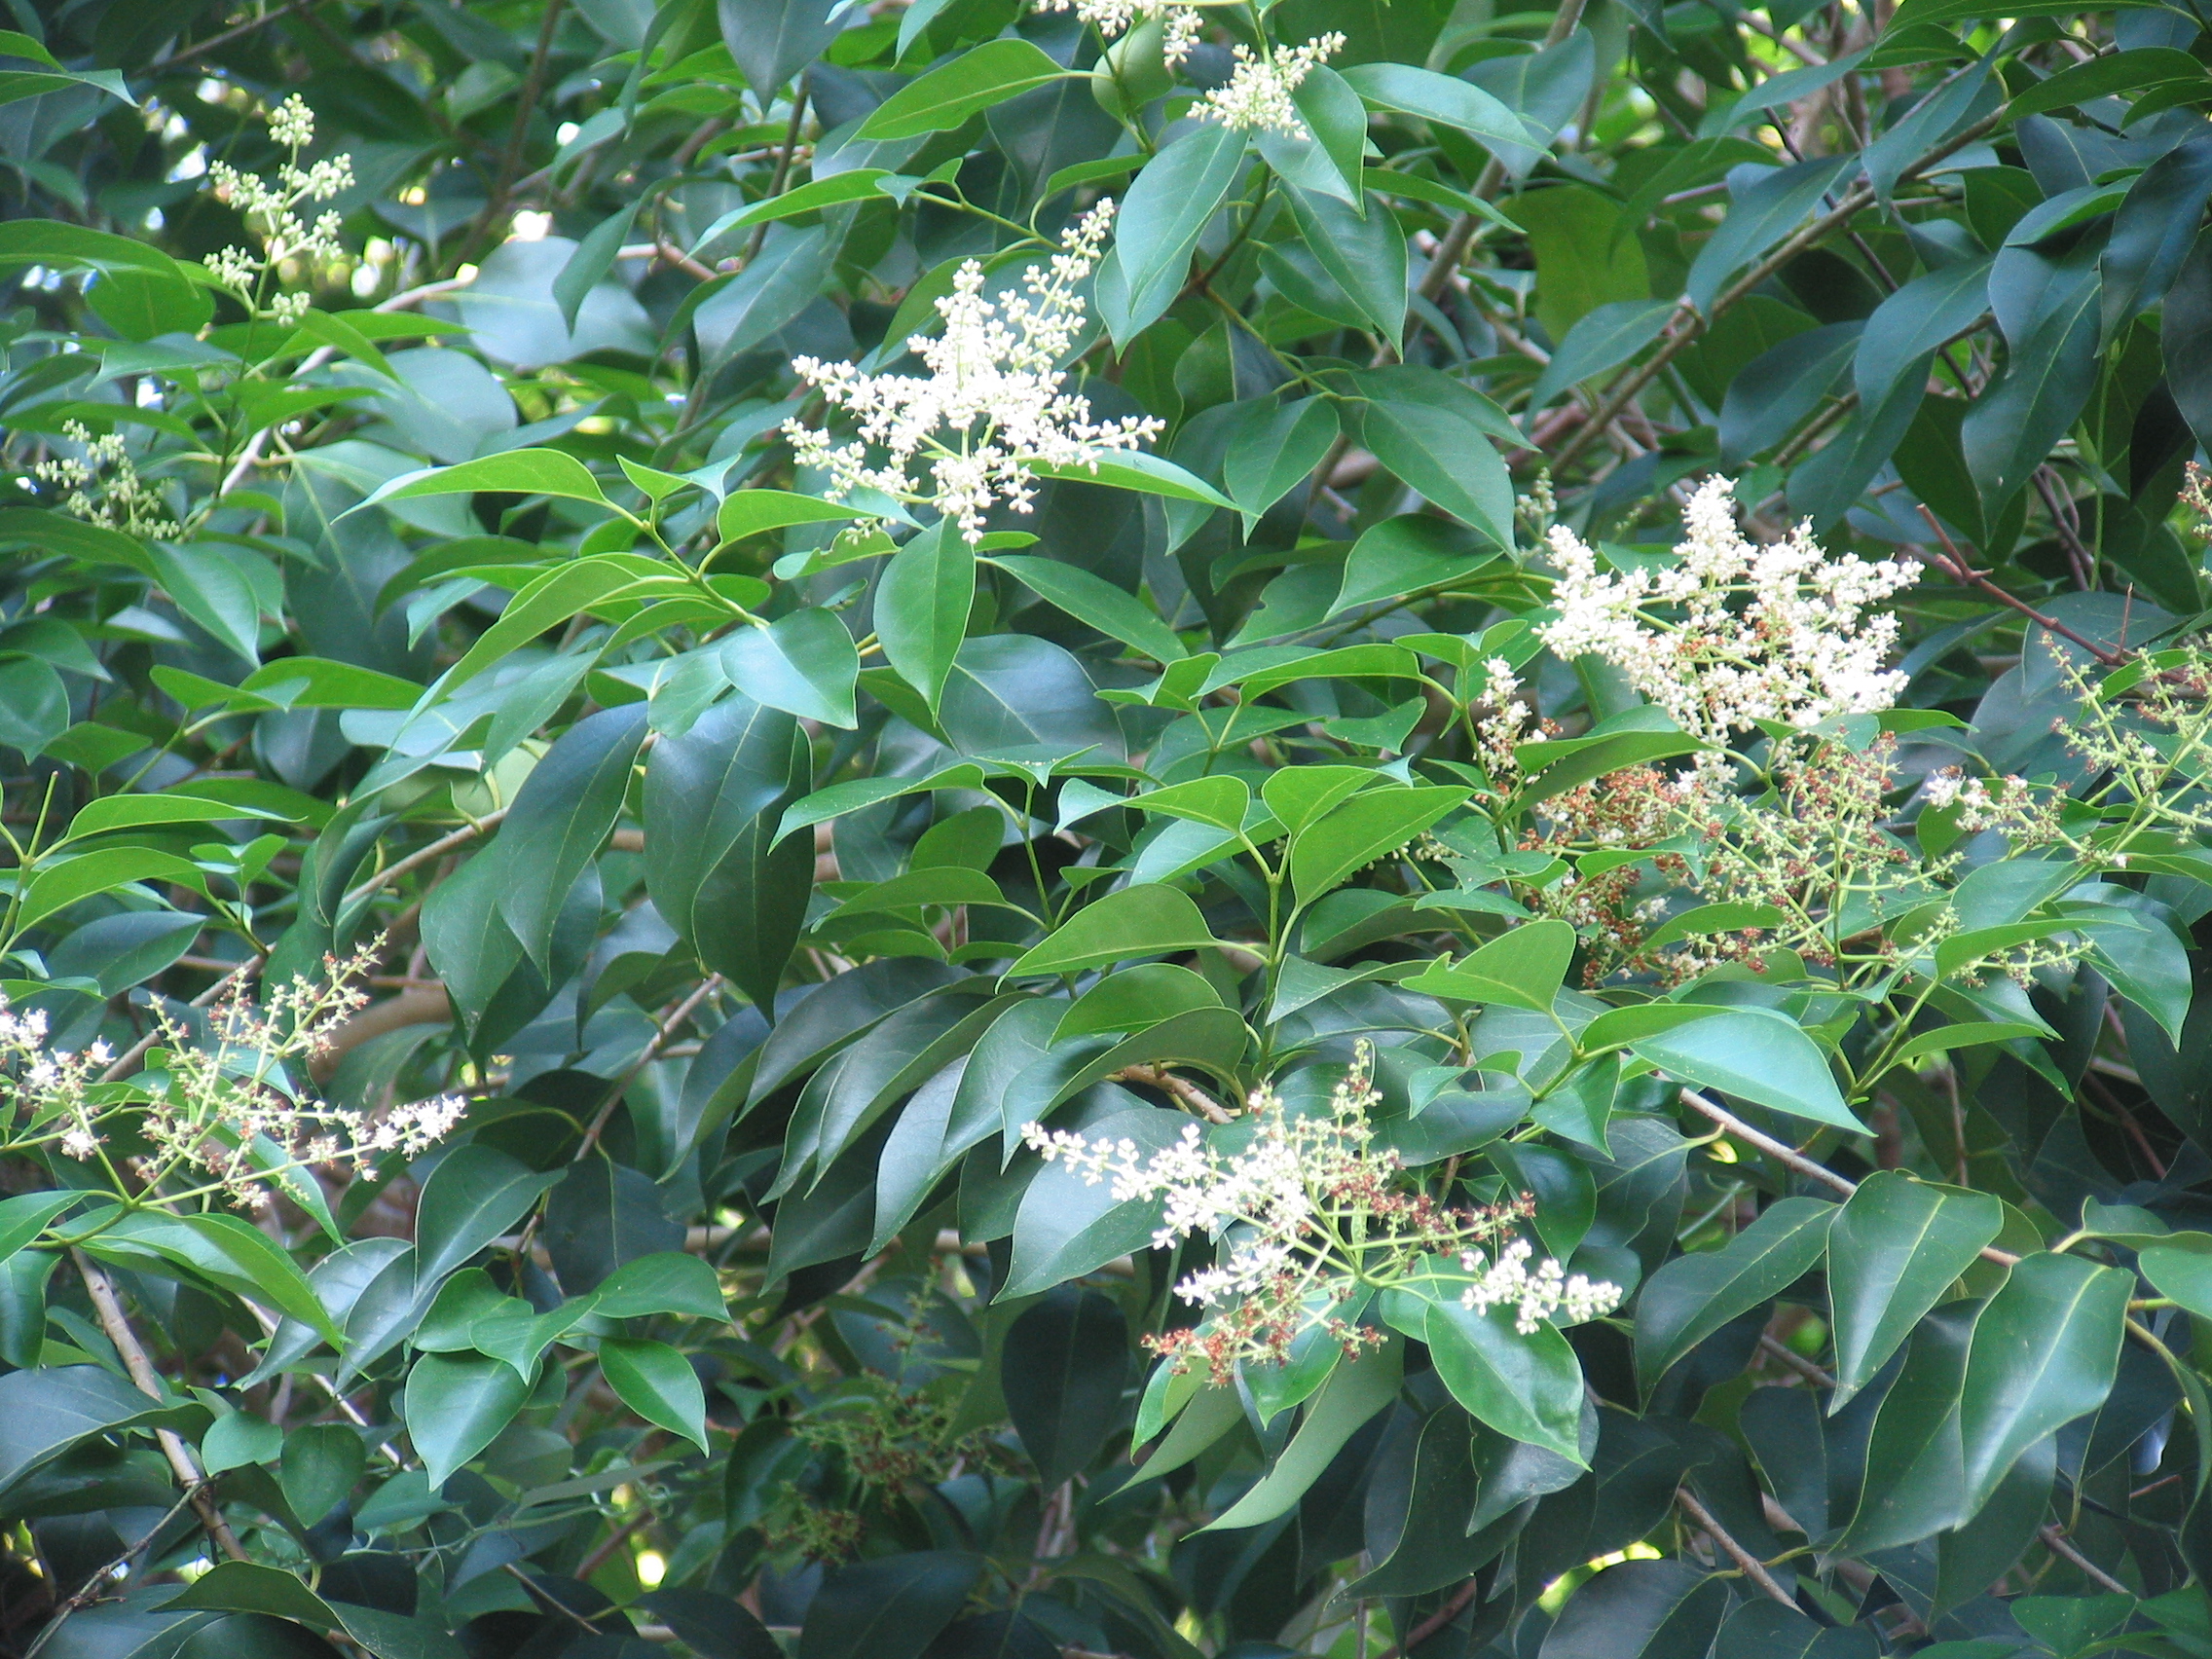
x=1147 y=920
x=45 y=1412
x=25 y=1216
x=888 y=1607
x=220 y=1248
x=711 y=801
x=68 y=247
x=1756 y=1054
x=1141 y=470
x=1408 y=554
x=1061 y=1369
x=474 y=1195
x=1067 y=1226
x=1645 y=1610
x=2045 y=1352
x=1325 y=853
x=518 y=471
x=756 y=512
x=1693 y=1295
x=561 y=817
x=1098 y=602
x=1523 y=967
x=667 y=1282
x=860 y=184
x=1269 y=458
x=1166 y=208
x=2104 y=77
x=1136 y=998
x=659 y=1384
x=548 y=600
x=1601 y=340
x=1355 y=1390
x=804 y=663
x=922 y=602
x=246 y=1587
x=59 y=885
x=1526 y=1388
x=1365 y=254
x=948 y=94
x=593 y=259
x=238 y=1439
x=1447 y=459
x=1449 y=102
x=454 y=1408
x=1892 y=1254
x=34 y=706
x=322 y=1465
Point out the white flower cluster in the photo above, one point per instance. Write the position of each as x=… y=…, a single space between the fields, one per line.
x=1305 y=1211
x=1114 y=18
x=1538 y=1295
x=1257 y=97
x=105 y=486
x=272 y=211
x=222 y=1111
x=1510 y=720
x=2009 y=805
x=1780 y=633
x=991 y=408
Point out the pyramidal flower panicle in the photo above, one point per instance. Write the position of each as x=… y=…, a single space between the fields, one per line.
x=1306 y=1214
x=1780 y=633
x=993 y=406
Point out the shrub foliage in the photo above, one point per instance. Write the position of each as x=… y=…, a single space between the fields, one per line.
x=1149 y=827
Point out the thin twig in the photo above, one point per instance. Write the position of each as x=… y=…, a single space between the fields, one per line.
x=670 y=1024
x=188 y=1474
x=1798 y=1161
x=414 y=860
x=257 y=445
x=1435 y=1621
x=1953 y=563
x=1187 y=1092
x=1795 y=1361
x=604 y=1551
x=89 y=1591
x=1751 y=1567
x=1691 y=326
x=799 y=95
x=296 y=9
x=2056 y=1539
x=1780 y=1151
x=533 y=89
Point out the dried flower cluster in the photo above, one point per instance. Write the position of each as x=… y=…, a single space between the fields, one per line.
x=1309 y=1215
x=991 y=408
x=1257 y=97
x=222 y=1111
x=1113 y=19
x=1780 y=633
x=272 y=212
x=105 y=486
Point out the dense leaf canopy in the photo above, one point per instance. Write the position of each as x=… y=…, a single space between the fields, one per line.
x=1155 y=827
